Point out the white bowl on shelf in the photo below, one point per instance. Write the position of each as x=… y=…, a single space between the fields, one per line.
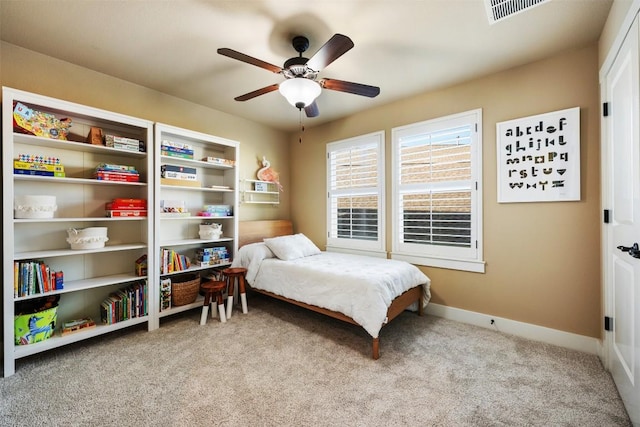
x=87 y=238
x=34 y=206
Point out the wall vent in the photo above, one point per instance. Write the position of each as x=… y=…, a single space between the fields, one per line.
x=497 y=10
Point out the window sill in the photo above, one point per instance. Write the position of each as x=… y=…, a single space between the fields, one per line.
x=452 y=264
x=377 y=254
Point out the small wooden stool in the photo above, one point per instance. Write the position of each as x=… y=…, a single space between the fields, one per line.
x=231 y=275
x=213 y=290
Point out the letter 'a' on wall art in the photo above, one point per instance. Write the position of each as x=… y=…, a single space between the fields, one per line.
x=539 y=158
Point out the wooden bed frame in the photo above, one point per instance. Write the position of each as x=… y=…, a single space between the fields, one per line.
x=255 y=231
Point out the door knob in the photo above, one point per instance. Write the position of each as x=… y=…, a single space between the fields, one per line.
x=634 y=250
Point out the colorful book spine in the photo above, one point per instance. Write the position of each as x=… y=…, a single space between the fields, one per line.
x=116 y=176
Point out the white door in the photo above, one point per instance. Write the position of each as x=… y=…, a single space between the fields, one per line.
x=621 y=195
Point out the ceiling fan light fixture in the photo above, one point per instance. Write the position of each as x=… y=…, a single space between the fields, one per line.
x=299 y=91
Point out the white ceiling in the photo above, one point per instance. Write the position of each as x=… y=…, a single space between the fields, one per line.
x=403 y=46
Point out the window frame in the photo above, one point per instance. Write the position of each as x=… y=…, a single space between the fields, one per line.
x=368 y=247
x=468 y=259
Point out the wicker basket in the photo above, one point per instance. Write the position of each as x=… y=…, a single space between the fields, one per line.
x=184 y=289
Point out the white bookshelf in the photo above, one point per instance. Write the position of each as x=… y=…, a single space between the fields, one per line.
x=217 y=182
x=89 y=275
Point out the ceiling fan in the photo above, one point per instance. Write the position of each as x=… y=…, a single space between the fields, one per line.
x=300 y=87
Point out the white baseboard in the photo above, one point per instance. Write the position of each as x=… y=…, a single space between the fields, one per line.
x=525 y=330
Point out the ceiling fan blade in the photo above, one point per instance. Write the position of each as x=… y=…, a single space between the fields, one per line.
x=330 y=51
x=355 y=88
x=255 y=93
x=249 y=59
x=311 y=110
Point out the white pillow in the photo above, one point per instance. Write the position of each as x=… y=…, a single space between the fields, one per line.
x=292 y=247
x=253 y=252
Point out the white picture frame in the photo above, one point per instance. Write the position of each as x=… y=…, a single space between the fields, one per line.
x=539 y=157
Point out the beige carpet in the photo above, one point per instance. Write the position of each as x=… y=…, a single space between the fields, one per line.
x=281 y=365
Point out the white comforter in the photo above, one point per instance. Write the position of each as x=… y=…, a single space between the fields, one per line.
x=358 y=286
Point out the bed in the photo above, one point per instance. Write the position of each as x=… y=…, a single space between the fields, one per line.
x=365 y=291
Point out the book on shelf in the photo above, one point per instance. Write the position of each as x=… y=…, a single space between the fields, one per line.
x=176 y=150
x=165 y=293
x=126 y=213
x=180 y=175
x=116 y=176
x=178 y=155
x=219 y=161
x=126 y=204
x=177 y=168
x=47 y=167
x=38 y=173
x=175 y=144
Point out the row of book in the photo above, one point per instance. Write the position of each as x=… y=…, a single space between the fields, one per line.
x=126 y=208
x=172 y=261
x=127 y=303
x=35 y=277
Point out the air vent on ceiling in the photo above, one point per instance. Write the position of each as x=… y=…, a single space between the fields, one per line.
x=498 y=10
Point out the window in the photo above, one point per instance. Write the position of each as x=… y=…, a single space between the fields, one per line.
x=355 y=183
x=437 y=192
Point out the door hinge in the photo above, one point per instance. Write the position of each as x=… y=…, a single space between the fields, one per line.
x=605 y=109
x=606 y=213
x=608 y=323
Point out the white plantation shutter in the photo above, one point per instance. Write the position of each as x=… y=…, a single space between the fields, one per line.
x=436 y=214
x=355 y=181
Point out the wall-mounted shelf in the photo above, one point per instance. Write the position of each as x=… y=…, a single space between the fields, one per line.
x=260 y=192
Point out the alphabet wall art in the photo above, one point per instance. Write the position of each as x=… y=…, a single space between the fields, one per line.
x=539 y=158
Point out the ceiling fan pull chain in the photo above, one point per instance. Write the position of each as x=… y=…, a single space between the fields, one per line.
x=301 y=127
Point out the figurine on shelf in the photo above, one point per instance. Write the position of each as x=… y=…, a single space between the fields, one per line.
x=268 y=174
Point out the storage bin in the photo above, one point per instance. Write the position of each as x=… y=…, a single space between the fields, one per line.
x=184 y=289
x=35 y=327
x=34 y=206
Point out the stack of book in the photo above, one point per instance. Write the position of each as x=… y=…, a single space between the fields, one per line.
x=122 y=143
x=113 y=172
x=27 y=164
x=126 y=208
x=176 y=149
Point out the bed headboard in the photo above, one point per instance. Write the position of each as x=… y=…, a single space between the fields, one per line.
x=255 y=231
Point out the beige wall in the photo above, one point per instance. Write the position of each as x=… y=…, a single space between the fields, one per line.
x=26 y=70
x=543 y=262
